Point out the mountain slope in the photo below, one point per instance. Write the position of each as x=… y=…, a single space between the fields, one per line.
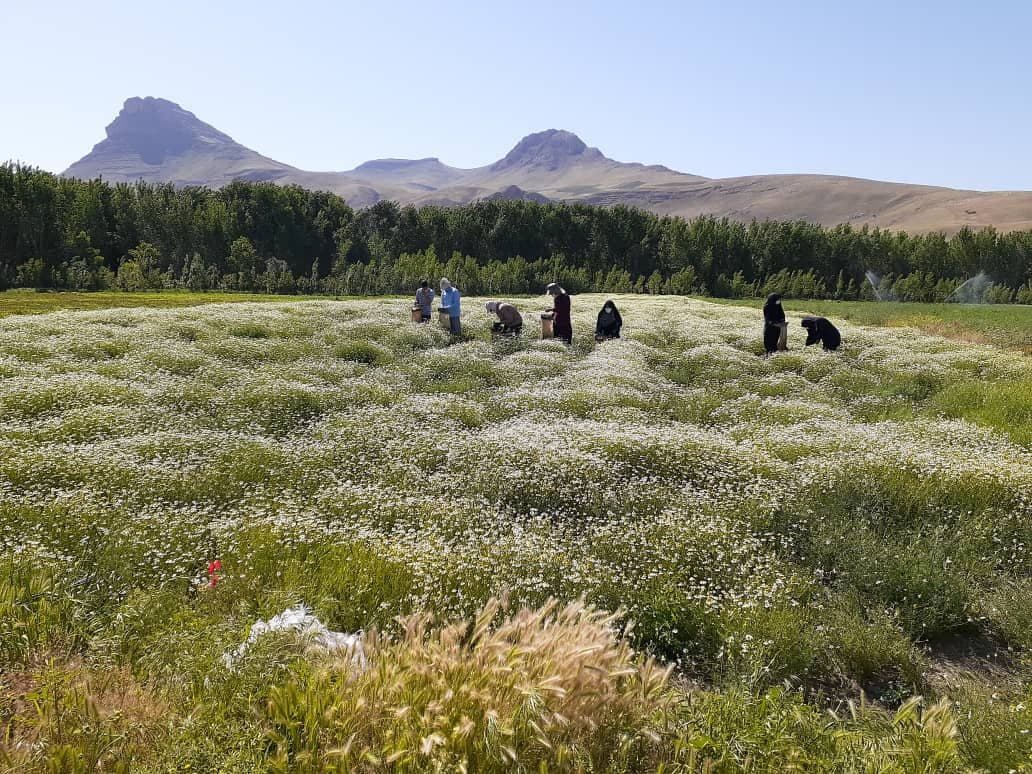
x=559 y=165
x=831 y=200
x=157 y=140
x=417 y=173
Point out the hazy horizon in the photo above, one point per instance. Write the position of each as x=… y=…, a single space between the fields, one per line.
x=929 y=94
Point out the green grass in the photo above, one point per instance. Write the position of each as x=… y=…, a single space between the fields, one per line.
x=1006 y=407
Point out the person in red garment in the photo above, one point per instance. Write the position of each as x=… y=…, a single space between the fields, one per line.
x=562 y=325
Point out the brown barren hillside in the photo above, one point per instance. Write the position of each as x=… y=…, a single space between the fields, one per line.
x=158 y=141
x=830 y=200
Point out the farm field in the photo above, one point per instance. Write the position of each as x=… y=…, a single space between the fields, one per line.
x=670 y=551
x=1003 y=325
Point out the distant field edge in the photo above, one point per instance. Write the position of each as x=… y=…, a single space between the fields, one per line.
x=19 y=302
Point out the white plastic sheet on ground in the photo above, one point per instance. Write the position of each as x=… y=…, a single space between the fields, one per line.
x=309 y=629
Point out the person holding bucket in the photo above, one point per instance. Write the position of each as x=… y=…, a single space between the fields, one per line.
x=561 y=321
x=425 y=300
x=451 y=300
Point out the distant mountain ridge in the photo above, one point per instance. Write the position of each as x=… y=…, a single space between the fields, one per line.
x=156 y=140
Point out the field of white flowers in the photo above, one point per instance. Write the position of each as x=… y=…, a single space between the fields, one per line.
x=783 y=534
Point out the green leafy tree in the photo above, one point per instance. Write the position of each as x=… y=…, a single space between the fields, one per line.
x=148 y=262
x=130 y=276
x=655 y=283
x=683 y=282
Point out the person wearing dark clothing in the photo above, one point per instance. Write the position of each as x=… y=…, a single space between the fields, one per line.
x=562 y=323
x=770 y=338
x=820 y=329
x=509 y=318
x=775 y=327
x=425 y=300
x=609 y=322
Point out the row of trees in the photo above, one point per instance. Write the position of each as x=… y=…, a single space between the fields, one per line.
x=88 y=235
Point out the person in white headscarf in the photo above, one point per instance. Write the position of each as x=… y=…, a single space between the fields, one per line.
x=509 y=318
x=562 y=323
x=451 y=300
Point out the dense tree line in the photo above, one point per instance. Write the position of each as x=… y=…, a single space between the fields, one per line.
x=89 y=235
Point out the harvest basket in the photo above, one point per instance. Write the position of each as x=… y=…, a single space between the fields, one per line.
x=548 y=325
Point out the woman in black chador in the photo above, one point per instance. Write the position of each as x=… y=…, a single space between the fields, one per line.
x=609 y=322
x=820 y=329
x=562 y=322
x=775 y=328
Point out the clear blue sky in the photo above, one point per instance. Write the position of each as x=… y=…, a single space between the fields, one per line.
x=935 y=92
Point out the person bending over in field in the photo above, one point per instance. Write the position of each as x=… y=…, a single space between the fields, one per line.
x=451 y=300
x=509 y=319
x=819 y=329
x=609 y=322
x=562 y=324
x=775 y=327
x=425 y=300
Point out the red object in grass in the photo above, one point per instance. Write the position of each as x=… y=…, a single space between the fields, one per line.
x=214 y=568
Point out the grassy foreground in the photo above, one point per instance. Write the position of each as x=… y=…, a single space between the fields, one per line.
x=787 y=535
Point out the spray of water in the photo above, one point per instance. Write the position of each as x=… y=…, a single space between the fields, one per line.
x=874 y=279
x=875 y=282
x=972 y=291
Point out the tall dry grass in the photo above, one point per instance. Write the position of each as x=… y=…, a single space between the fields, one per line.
x=554 y=687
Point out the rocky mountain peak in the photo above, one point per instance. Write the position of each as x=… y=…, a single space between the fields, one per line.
x=550 y=149
x=156 y=129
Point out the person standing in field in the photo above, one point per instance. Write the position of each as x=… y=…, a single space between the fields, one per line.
x=775 y=327
x=451 y=300
x=509 y=318
x=562 y=323
x=425 y=300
